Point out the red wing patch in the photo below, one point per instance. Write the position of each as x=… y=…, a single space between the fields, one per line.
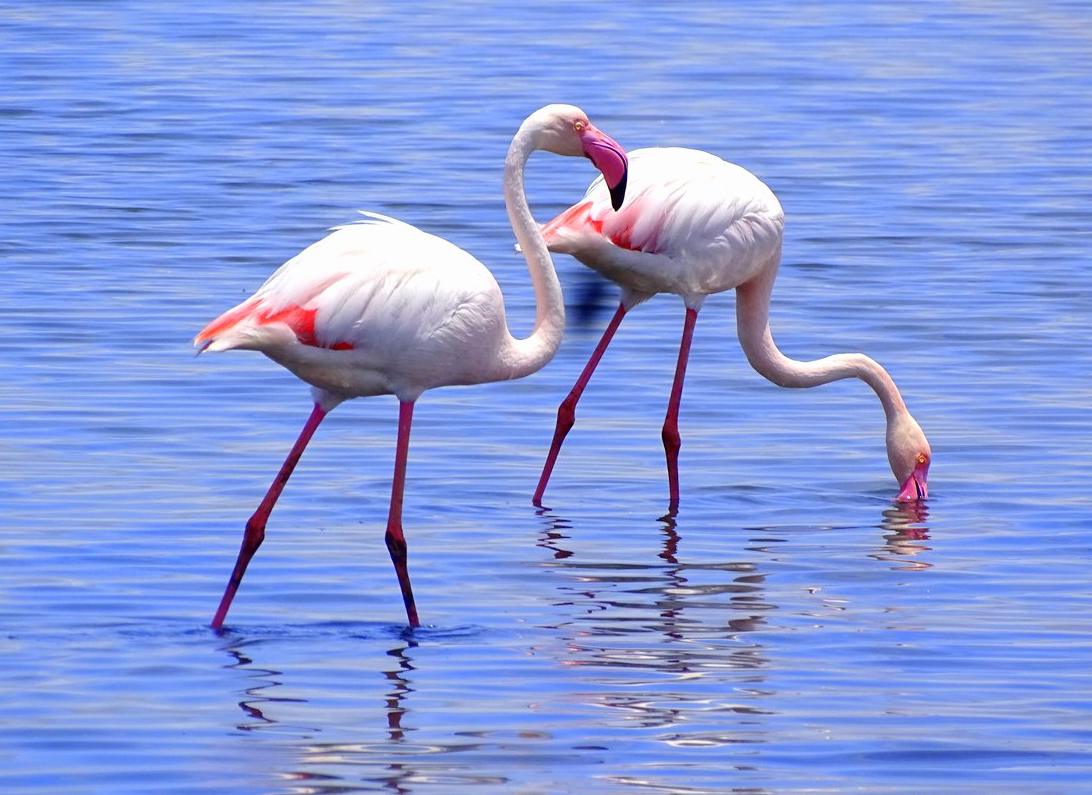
x=300 y=320
x=615 y=227
x=620 y=228
x=620 y=237
x=576 y=217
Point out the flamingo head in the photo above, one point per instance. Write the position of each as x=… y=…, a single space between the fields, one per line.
x=909 y=453
x=565 y=130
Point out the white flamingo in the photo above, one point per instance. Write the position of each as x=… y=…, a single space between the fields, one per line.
x=693 y=224
x=379 y=307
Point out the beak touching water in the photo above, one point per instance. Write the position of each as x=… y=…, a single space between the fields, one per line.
x=915 y=487
x=610 y=158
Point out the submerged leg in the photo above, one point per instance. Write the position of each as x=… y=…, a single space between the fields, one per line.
x=566 y=412
x=671 y=421
x=396 y=540
x=254 y=533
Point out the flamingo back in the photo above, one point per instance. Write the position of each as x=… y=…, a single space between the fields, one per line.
x=401 y=300
x=691 y=223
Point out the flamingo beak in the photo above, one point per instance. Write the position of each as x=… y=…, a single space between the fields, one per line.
x=915 y=487
x=610 y=158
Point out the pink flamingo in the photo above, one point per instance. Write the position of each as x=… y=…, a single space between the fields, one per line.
x=379 y=307
x=693 y=224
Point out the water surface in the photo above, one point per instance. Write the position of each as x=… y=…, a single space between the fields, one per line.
x=789 y=630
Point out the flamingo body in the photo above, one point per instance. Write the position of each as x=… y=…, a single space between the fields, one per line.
x=376 y=307
x=693 y=224
x=379 y=307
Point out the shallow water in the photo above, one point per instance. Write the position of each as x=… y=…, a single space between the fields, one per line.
x=789 y=630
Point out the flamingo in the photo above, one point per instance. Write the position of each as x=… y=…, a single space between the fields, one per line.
x=379 y=307
x=693 y=224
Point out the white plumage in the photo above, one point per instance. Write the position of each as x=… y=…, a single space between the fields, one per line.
x=693 y=224
x=380 y=307
x=375 y=307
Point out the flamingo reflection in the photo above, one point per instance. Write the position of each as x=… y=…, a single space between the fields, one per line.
x=313 y=760
x=906 y=532
x=649 y=627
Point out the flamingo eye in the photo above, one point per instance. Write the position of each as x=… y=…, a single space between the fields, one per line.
x=921 y=458
x=580 y=125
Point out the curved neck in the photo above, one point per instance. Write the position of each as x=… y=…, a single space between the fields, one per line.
x=753 y=327
x=531 y=354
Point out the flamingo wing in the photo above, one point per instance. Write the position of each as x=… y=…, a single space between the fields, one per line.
x=682 y=205
x=374 y=281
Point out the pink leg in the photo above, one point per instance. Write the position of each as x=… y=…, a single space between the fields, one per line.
x=671 y=422
x=566 y=412
x=396 y=540
x=254 y=533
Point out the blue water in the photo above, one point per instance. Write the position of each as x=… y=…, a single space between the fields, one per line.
x=791 y=630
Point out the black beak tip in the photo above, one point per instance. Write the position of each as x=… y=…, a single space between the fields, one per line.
x=618 y=192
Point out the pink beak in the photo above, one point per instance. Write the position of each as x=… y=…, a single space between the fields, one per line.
x=915 y=487
x=610 y=158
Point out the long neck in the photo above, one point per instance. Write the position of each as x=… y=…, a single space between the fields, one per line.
x=753 y=327
x=531 y=354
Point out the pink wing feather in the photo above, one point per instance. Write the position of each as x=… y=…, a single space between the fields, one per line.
x=679 y=202
x=374 y=279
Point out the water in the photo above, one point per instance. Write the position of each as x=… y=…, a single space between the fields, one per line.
x=790 y=630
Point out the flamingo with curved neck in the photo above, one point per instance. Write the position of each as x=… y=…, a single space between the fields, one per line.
x=693 y=224
x=379 y=307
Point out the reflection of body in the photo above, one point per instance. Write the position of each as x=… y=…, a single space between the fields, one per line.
x=382 y=308
x=662 y=644
x=693 y=224
x=669 y=589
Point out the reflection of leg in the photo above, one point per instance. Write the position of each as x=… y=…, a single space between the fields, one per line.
x=566 y=412
x=671 y=539
x=670 y=434
x=254 y=533
x=396 y=540
x=400 y=688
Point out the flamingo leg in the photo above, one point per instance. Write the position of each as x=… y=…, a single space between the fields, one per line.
x=566 y=412
x=670 y=434
x=395 y=538
x=254 y=533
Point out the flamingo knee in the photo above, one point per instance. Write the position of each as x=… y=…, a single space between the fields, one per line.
x=396 y=545
x=253 y=534
x=672 y=440
x=566 y=415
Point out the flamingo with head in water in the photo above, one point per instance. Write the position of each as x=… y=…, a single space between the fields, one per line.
x=693 y=224
x=379 y=307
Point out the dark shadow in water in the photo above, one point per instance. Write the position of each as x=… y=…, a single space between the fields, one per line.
x=592 y=297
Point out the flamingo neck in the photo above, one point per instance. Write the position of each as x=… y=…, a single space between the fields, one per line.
x=753 y=327
x=528 y=355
